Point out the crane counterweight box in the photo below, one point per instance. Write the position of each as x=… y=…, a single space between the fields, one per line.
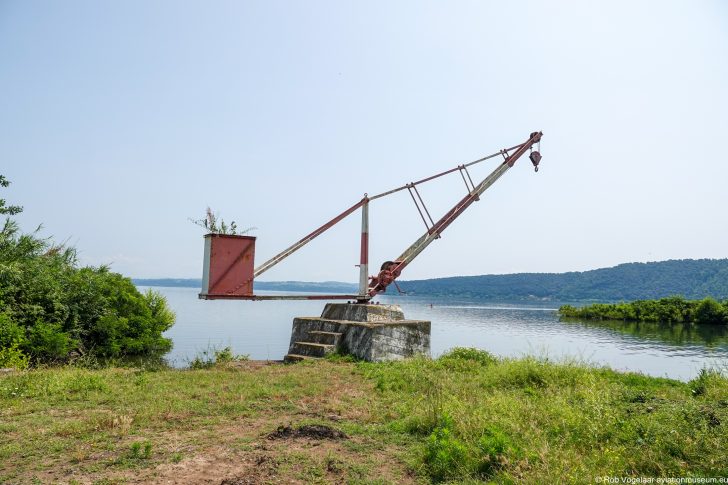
x=228 y=266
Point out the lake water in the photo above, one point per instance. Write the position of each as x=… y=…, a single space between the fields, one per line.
x=262 y=329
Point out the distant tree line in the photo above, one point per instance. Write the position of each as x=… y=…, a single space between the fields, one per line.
x=52 y=310
x=673 y=309
x=693 y=279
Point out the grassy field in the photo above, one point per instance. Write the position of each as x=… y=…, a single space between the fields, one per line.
x=465 y=417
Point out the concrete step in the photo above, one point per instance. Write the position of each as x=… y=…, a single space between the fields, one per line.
x=312 y=349
x=297 y=358
x=321 y=337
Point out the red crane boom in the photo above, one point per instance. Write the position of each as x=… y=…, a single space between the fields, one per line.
x=228 y=271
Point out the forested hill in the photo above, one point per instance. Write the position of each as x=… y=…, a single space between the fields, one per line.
x=690 y=278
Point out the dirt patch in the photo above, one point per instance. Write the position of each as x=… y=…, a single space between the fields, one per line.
x=312 y=431
x=240 y=481
x=233 y=447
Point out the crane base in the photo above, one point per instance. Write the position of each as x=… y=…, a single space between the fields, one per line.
x=376 y=333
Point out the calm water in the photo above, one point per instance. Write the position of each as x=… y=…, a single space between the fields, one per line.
x=262 y=330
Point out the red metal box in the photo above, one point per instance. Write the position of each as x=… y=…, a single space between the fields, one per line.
x=228 y=266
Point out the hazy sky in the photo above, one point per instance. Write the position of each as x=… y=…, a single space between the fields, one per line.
x=119 y=120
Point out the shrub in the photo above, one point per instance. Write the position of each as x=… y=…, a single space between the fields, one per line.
x=51 y=307
x=674 y=309
x=709 y=311
x=12 y=357
x=10 y=332
x=48 y=342
x=212 y=356
x=469 y=354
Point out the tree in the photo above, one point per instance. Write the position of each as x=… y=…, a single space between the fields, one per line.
x=12 y=209
x=52 y=309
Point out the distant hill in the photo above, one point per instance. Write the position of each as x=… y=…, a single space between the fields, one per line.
x=689 y=278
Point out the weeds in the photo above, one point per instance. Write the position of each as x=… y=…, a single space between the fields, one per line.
x=211 y=357
x=212 y=224
x=139 y=453
x=483 y=418
x=445 y=455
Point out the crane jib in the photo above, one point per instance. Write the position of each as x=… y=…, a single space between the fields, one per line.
x=228 y=271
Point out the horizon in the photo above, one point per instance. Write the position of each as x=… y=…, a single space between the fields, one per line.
x=354 y=283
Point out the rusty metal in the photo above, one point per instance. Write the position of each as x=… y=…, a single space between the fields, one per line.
x=379 y=285
x=295 y=247
x=432 y=177
x=228 y=271
x=228 y=266
x=535 y=157
x=409 y=189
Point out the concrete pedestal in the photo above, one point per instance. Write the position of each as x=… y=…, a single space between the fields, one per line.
x=375 y=333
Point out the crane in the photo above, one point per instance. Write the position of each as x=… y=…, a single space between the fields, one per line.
x=228 y=271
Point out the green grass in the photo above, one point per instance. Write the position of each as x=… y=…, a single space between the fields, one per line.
x=466 y=417
x=517 y=420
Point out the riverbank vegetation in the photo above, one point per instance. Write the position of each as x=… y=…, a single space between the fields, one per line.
x=674 y=309
x=465 y=417
x=53 y=310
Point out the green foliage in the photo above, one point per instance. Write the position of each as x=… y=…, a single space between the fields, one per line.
x=535 y=421
x=51 y=309
x=482 y=357
x=445 y=455
x=47 y=342
x=10 y=332
x=710 y=311
x=11 y=356
x=212 y=224
x=692 y=278
x=495 y=447
x=705 y=379
x=12 y=337
x=511 y=421
x=140 y=451
x=5 y=209
x=211 y=357
x=673 y=309
x=339 y=357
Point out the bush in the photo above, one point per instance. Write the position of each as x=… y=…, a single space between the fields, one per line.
x=709 y=311
x=50 y=308
x=674 y=309
x=11 y=356
x=211 y=357
x=482 y=357
x=48 y=342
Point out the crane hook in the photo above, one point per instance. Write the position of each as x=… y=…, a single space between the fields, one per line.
x=535 y=157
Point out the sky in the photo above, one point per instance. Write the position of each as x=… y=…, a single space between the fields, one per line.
x=119 y=121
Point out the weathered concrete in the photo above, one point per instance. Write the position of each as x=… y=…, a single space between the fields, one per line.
x=371 y=332
x=362 y=313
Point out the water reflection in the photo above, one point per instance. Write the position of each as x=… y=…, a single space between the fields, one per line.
x=711 y=336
